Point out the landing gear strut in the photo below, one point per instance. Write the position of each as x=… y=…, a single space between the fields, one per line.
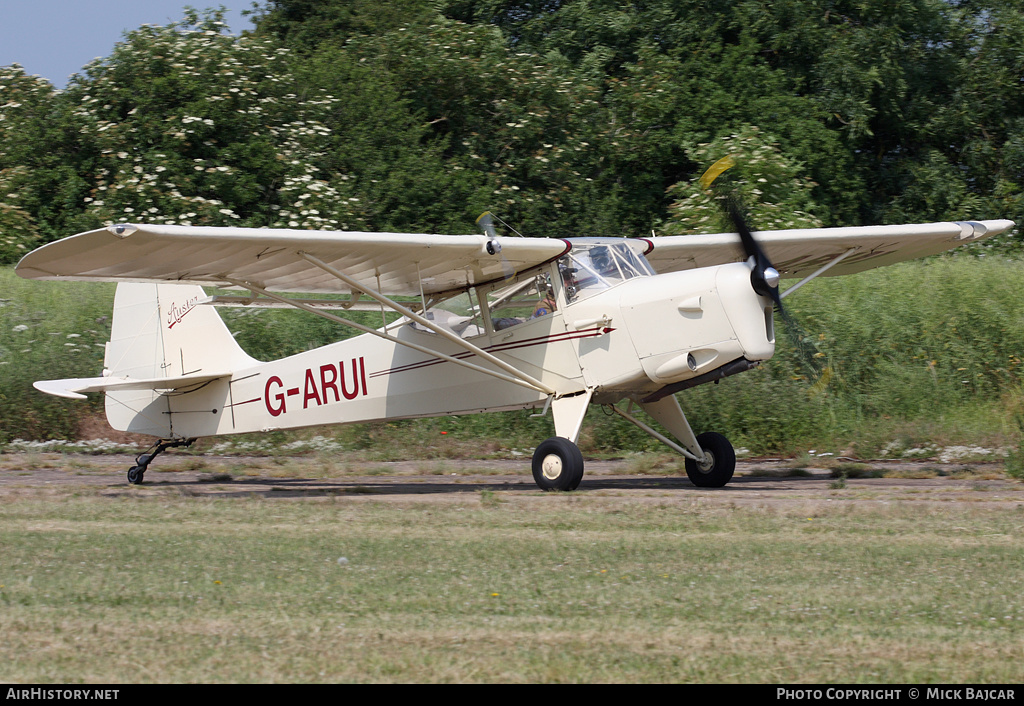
x=710 y=459
x=137 y=473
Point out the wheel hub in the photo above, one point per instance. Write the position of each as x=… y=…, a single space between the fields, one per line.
x=707 y=464
x=551 y=466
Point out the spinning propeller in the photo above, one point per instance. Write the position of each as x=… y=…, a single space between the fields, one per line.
x=764 y=278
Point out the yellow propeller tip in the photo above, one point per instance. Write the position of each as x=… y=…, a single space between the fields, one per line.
x=715 y=170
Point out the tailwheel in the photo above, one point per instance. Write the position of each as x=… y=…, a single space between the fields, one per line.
x=719 y=465
x=136 y=474
x=557 y=465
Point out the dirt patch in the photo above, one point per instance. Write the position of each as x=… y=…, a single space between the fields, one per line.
x=95 y=426
x=763 y=483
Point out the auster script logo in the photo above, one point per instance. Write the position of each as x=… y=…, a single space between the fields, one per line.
x=176 y=313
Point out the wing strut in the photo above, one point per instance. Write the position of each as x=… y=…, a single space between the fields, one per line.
x=520 y=379
x=409 y=314
x=821 y=270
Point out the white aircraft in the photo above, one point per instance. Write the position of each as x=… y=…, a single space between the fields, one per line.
x=485 y=323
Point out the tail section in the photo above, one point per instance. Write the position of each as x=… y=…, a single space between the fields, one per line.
x=161 y=331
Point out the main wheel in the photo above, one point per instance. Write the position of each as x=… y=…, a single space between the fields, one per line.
x=557 y=465
x=721 y=463
x=136 y=474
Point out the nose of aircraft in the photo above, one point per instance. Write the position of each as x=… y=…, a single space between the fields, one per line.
x=749 y=310
x=685 y=324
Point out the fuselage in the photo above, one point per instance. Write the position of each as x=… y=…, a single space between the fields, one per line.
x=597 y=318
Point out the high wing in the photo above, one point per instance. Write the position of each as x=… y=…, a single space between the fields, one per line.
x=397 y=264
x=394 y=264
x=801 y=252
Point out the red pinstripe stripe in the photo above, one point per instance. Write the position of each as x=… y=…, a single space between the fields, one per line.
x=498 y=348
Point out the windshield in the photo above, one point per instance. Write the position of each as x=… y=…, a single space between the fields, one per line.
x=593 y=267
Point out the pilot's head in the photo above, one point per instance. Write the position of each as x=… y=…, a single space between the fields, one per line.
x=601 y=258
x=568 y=273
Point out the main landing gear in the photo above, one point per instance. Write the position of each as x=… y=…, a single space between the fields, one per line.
x=558 y=463
x=137 y=473
x=719 y=462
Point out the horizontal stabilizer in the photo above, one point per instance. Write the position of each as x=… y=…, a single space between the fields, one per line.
x=74 y=388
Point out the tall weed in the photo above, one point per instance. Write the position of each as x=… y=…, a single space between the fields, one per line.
x=48 y=330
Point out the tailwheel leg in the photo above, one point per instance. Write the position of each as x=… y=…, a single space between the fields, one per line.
x=137 y=473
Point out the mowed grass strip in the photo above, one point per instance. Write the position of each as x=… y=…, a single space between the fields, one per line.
x=499 y=587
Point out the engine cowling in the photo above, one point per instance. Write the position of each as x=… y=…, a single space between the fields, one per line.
x=685 y=324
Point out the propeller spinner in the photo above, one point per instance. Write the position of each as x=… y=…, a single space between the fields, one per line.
x=487 y=224
x=763 y=277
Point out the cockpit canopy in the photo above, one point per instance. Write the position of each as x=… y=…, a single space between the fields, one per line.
x=595 y=264
x=591 y=266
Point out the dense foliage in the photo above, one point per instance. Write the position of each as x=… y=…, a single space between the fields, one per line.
x=564 y=117
x=574 y=117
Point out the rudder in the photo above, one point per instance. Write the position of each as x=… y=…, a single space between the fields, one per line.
x=161 y=330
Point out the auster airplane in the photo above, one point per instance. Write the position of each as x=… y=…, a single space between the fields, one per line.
x=494 y=323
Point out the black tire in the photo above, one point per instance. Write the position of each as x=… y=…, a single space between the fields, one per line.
x=723 y=462
x=136 y=474
x=557 y=465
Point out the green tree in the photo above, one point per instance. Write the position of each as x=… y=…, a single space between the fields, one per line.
x=771 y=186
x=577 y=117
x=192 y=126
x=31 y=164
x=306 y=24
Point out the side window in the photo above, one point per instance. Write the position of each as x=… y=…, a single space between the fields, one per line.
x=460 y=315
x=523 y=301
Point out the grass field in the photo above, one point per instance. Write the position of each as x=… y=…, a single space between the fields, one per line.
x=827 y=583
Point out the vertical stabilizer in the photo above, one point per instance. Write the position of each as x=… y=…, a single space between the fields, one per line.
x=161 y=330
